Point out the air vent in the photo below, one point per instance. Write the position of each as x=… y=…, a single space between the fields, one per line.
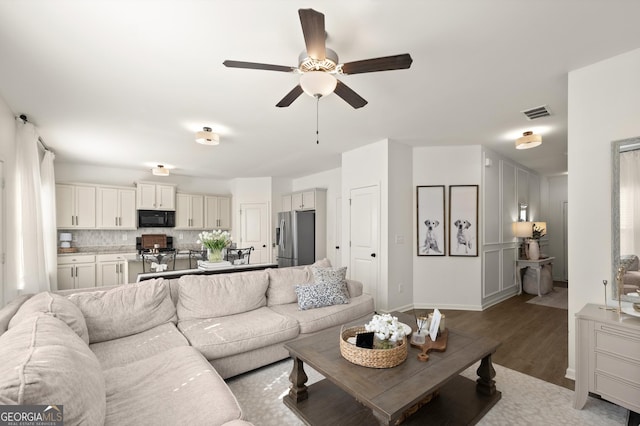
x=537 y=112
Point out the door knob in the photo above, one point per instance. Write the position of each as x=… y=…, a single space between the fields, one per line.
x=373 y=255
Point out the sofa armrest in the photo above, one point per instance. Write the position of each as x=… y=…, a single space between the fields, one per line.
x=354 y=287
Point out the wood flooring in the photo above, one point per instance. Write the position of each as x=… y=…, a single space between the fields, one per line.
x=534 y=338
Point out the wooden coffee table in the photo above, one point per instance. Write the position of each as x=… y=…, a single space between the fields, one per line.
x=355 y=395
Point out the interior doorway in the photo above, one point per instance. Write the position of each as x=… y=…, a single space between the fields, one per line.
x=565 y=241
x=254 y=231
x=364 y=232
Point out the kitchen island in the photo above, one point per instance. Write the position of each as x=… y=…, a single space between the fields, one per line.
x=196 y=271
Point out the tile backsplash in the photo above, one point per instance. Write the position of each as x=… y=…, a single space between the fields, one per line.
x=185 y=239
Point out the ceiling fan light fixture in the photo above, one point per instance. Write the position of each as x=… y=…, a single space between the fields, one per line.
x=318 y=83
x=160 y=170
x=528 y=140
x=207 y=137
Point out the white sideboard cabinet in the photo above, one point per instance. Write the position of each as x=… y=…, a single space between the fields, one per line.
x=76 y=271
x=607 y=357
x=75 y=206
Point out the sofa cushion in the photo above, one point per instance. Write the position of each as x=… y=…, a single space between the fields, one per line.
x=322 y=294
x=10 y=310
x=212 y=296
x=233 y=334
x=282 y=282
x=313 y=320
x=45 y=362
x=176 y=387
x=125 y=310
x=57 y=306
x=125 y=350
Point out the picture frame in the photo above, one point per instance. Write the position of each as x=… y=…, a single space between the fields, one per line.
x=463 y=220
x=431 y=220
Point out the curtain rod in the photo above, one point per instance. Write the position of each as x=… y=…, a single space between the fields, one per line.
x=42 y=144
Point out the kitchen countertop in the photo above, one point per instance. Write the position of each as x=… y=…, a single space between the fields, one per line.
x=129 y=249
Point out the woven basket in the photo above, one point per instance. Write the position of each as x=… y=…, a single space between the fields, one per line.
x=374 y=358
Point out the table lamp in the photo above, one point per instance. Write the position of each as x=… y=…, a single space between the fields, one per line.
x=65 y=240
x=522 y=230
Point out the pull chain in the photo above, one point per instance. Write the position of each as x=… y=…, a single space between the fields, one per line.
x=317 y=120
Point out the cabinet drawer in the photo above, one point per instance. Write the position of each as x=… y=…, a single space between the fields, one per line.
x=618 y=391
x=84 y=258
x=618 y=341
x=618 y=367
x=113 y=257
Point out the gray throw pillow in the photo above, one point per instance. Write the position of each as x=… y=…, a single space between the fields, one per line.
x=321 y=294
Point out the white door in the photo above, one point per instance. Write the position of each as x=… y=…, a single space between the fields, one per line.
x=364 y=231
x=338 y=237
x=254 y=231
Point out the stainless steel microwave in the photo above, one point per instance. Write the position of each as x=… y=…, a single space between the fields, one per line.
x=156 y=219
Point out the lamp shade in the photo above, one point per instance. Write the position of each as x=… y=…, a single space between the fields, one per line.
x=318 y=83
x=528 y=140
x=160 y=170
x=522 y=229
x=207 y=137
x=65 y=239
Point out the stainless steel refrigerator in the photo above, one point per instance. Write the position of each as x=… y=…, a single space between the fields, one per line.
x=296 y=238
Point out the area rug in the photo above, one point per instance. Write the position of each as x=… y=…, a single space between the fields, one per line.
x=558 y=298
x=525 y=400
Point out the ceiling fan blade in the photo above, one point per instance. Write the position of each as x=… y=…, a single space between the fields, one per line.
x=314 y=33
x=350 y=97
x=387 y=63
x=290 y=97
x=257 y=66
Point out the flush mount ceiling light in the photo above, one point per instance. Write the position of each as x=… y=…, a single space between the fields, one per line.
x=160 y=170
x=528 y=140
x=318 y=83
x=207 y=137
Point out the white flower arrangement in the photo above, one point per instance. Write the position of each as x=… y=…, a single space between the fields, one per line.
x=214 y=240
x=386 y=327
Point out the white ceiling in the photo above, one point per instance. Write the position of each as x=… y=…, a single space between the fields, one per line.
x=127 y=83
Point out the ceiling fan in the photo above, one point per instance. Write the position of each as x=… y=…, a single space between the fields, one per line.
x=319 y=66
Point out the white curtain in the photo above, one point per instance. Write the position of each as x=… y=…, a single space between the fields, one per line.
x=30 y=252
x=630 y=203
x=50 y=235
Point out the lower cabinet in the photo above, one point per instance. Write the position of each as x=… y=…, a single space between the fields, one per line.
x=76 y=272
x=111 y=269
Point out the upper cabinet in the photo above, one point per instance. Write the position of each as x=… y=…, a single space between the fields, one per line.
x=303 y=200
x=155 y=196
x=75 y=206
x=116 y=208
x=217 y=212
x=189 y=211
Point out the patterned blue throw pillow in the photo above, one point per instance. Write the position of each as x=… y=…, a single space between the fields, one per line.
x=329 y=288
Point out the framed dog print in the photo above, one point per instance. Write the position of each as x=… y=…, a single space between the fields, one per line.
x=431 y=227
x=463 y=220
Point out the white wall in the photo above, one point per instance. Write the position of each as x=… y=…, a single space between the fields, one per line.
x=84 y=173
x=443 y=281
x=331 y=180
x=603 y=107
x=8 y=237
x=401 y=227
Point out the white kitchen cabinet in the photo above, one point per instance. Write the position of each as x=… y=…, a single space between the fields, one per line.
x=286 y=203
x=112 y=269
x=75 y=206
x=305 y=200
x=116 y=208
x=76 y=271
x=217 y=212
x=189 y=211
x=155 y=196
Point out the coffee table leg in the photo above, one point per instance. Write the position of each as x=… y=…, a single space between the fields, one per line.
x=298 y=378
x=485 y=383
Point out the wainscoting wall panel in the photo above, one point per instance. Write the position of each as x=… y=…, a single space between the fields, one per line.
x=492 y=276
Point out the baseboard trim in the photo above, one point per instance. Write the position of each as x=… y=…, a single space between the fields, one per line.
x=570 y=374
x=449 y=306
x=403 y=308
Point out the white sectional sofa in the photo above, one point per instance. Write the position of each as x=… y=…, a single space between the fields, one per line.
x=157 y=352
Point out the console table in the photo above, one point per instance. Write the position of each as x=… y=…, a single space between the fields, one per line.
x=607 y=357
x=535 y=264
